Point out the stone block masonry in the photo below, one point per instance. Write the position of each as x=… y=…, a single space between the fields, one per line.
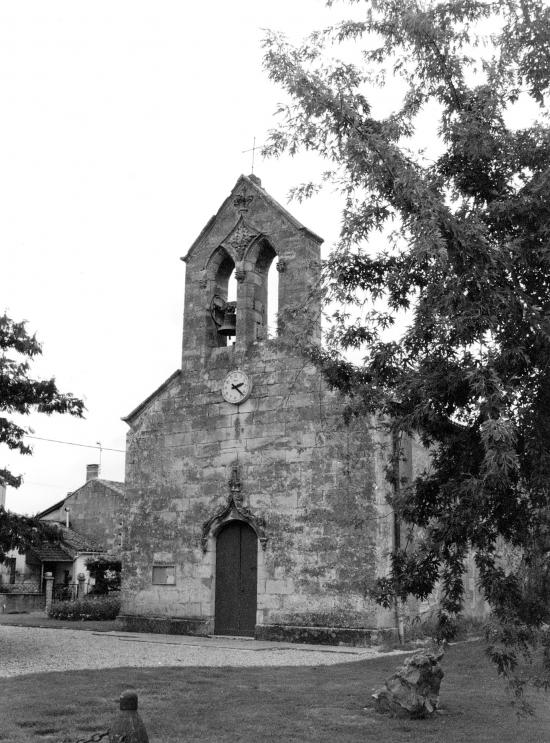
x=307 y=487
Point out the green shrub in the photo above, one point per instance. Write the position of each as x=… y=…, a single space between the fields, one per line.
x=427 y=627
x=88 y=607
x=338 y=618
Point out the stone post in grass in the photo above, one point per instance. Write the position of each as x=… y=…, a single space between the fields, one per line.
x=81 y=579
x=128 y=725
x=48 y=577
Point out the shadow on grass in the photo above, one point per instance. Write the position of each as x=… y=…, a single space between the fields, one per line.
x=252 y=705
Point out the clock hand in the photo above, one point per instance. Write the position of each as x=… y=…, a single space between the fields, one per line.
x=237 y=387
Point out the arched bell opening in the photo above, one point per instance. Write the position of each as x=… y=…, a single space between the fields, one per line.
x=232 y=287
x=263 y=300
x=273 y=300
x=223 y=299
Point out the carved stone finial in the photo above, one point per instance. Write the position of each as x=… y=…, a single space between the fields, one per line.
x=242 y=201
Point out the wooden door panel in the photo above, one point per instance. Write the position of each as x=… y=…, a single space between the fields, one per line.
x=236 y=580
x=248 y=580
x=227 y=579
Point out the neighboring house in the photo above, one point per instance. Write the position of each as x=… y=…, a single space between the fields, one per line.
x=66 y=560
x=89 y=523
x=92 y=510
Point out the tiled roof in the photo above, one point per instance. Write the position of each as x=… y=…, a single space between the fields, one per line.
x=118 y=487
x=66 y=549
x=50 y=552
x=78 y=542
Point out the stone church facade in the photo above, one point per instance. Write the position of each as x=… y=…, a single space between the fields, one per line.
x=252 y=506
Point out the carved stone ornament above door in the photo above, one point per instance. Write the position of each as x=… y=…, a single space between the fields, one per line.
x=233 y=510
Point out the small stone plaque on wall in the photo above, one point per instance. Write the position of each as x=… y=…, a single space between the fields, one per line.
x=164 y=575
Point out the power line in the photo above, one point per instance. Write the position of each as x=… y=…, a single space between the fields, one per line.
x=74 y=443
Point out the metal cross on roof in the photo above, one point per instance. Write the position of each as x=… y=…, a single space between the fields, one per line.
x=253 y=151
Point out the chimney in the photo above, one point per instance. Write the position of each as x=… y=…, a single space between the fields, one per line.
x=3 y=496
x=92 y=472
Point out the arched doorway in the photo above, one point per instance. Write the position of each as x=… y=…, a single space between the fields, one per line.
x=236 y=580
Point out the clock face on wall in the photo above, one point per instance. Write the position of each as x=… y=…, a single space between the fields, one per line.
x=236 y=387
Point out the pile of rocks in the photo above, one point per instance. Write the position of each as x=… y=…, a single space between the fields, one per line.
x=413 y=690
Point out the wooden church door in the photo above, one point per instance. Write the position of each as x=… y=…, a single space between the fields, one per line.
x=236 y=580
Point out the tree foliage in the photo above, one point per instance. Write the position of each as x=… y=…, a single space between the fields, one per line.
x=106 y=571
x=22 y=532
x=466 y=259
x=20 y=394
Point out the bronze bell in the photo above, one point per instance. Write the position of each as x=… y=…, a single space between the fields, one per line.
x=229 y=324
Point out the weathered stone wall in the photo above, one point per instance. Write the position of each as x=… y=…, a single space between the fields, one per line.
x=305 y=471
x=17 y=603
x=317 y=483
x=27 y=580
x=95 y=513
x=57 y=515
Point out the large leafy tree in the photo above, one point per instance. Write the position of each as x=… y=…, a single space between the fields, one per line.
x=465 y=259
x=21 y=394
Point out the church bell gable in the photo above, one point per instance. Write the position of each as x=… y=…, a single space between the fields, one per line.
x=248 y=234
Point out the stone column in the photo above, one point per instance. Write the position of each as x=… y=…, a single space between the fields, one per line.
x=81 y=578
x=48 y=577
x=249 y=316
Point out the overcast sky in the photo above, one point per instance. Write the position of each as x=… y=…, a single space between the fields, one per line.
x=122 y=130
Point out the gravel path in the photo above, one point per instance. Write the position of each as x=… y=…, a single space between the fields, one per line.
x=35 y=650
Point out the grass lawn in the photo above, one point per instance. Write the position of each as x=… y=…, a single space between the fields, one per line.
x=222 y=705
